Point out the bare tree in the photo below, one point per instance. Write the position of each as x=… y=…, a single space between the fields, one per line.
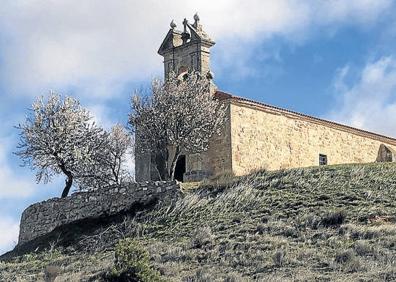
x=108 y=166
x=120 y=148
x=181 y=115
x=149 y=127
x=59 y=137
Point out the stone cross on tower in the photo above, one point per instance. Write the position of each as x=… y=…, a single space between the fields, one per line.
x=187 y=50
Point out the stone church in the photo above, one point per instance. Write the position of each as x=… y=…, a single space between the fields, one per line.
x=257 y=135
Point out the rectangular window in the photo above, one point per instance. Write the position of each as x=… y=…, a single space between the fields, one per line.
x=322 y=159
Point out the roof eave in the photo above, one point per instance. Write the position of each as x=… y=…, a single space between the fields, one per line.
x=339 y=126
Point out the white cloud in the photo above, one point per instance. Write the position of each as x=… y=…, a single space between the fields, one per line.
x=360 y=12
x=101 y=115
x=98 y=46
x=370 y=102
x=12 y=184
x=9 y=234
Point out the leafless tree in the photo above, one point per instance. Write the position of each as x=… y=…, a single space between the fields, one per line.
x=108 y=166
x=180 y=115
x=120 y=148
x=149 y=126
x=59 y=137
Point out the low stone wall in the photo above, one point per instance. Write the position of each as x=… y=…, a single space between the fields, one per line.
x=41 y=218
x=196 y=175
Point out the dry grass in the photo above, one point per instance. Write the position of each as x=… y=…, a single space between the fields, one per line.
x=333 y=223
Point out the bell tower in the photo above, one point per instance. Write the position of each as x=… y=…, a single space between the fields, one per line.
x=188 y=50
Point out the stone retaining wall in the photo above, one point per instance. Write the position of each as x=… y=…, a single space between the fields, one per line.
x=41 y=218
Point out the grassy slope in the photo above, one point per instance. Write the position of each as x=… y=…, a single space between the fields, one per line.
x=320 y=223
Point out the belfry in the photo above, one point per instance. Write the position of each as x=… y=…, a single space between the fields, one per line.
x=187 y=50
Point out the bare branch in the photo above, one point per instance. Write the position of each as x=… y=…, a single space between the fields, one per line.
x=181 y=114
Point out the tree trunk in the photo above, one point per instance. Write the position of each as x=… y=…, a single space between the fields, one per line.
x=174 y=162
x=69 y=182
x=161 y=159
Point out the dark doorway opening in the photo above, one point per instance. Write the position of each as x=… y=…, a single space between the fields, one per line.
x=180 y=168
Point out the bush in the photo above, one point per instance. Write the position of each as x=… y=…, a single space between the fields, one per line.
x=290 y=231
x=309 y=221
x=203 y=275
x=51 y=272
x=362 y=248
x=333 y=218
x=348 y=260
x=366 y=233
x=132 y=263
x=201 y=237
x=261 y=229
x=344 y=256
x=279 y=258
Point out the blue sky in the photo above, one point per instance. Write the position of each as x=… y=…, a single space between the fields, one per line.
x=334 y=59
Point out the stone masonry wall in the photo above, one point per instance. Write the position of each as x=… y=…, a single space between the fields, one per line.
x=41 y=218
x=274 y=140
x=217 y=160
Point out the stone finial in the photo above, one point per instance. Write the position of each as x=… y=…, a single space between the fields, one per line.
x=173 y=24
x=185 y=22
x=196 y=24
x=185 y=35
x=196 y=18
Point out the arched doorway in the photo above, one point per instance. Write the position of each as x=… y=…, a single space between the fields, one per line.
x=180 y=168
x=386 y=154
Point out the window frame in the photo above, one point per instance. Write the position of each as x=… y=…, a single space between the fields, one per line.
x=323 y=160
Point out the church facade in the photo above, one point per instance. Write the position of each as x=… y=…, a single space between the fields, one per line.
x=256 y=135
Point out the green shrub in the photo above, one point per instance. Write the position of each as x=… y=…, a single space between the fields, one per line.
x=132 y=263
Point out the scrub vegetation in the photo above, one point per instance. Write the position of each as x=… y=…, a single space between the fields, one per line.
x=325 y=223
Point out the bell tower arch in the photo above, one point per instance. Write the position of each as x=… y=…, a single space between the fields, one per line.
x=187 y=50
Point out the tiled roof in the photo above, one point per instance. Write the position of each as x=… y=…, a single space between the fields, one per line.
x=296 y=115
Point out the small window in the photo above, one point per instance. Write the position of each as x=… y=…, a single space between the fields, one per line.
x=322 y=159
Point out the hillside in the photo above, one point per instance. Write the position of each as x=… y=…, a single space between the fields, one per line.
x=320 y=223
